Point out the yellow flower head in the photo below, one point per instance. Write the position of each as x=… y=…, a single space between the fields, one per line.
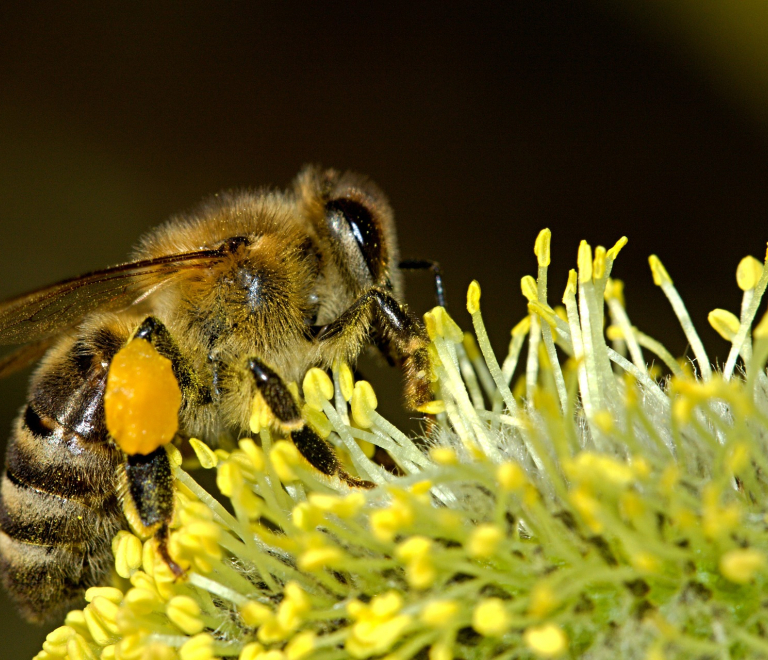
x=568 y=497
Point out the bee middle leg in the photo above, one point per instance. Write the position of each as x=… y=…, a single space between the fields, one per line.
x=287 y=415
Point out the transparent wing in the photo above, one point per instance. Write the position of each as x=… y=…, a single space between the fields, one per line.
x=34 y=316
x=21 y=357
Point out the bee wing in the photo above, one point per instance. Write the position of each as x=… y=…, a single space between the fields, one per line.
x=34 y=316
x=23 y=356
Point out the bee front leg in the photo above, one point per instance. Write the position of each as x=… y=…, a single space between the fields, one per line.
x=434 y=268
x=287 y=416
x=403 y=336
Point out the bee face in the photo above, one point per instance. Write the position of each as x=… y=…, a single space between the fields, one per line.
x=355 y=221
x=243 y=295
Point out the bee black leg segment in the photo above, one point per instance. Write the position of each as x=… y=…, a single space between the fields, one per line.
x=322 y=456
x=162 y=547
x=275 y=394
x=148 y=495
x=148 y=498
x=150 y=486
x=154 y=331
x=437 y=273
x=288 y=416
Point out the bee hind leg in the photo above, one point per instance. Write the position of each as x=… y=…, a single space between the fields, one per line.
x=147 y=479
x=154 y=331
x=287 y=415
x=148 y=498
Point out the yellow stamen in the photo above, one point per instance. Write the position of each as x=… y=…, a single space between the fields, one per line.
x=490 y=618
x=204 y=453
x=546 y=641
x=364 y=402
x=724 y=322
x=473 y=297
x=318 y=388
x=346 y=381
x=660 y=274
x=748 y=273
x=528 y=287
x=584 y=261
x=741 y=565
x=184 y=612
x=541 y=247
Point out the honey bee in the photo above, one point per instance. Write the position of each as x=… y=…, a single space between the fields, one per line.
x=242 y=295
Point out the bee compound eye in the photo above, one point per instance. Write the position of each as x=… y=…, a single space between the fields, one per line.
x=350 y=216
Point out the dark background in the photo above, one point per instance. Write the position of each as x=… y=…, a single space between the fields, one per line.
x=483 y=124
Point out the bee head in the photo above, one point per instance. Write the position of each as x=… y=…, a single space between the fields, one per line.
x=356 y=222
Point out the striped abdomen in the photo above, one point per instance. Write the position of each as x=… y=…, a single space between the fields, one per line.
x=58 y=507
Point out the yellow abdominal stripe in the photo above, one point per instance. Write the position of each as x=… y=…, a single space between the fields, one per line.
x=567 y=503
x=142 y=398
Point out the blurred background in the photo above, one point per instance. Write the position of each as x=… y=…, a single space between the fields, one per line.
x=484 y=122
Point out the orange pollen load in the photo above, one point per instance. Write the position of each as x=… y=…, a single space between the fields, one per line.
x=142 y=399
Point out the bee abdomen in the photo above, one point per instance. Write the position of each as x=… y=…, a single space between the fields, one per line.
x=34 y=516
x=58 y=504
x=45 y=580
x=46 y=457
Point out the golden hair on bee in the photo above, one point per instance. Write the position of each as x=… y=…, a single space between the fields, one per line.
x=243 y=295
